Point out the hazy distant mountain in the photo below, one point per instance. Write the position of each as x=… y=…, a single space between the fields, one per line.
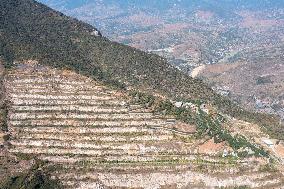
x=226 y=9
x=166 y=4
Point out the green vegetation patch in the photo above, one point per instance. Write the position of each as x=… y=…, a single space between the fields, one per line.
x=35 y=178
x=206 y=124
x=3 y=118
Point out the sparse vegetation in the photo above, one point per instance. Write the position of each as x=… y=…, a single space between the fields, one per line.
x=6 y=137
x=269 y=167
x=24 y=156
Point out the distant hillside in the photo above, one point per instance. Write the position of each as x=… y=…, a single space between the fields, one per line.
x=32 y=30
x=259 y=74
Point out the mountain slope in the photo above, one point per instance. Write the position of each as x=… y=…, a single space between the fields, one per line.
x=61 y=107
x=32 y=30
x=191 y=33
x=92 y=136
x=61 y=41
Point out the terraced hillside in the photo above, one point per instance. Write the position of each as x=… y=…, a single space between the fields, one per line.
x=61 y=109
x=96 y=137
x=29 y=29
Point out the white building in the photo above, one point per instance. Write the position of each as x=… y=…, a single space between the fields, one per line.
x=268 y=142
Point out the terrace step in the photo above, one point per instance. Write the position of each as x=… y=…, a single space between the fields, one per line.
x=85 y=123
x=78 y=108
x=145 y=147
x=144 y=167
x=95 y=151
x=61 y=97
x=94 y=116
x=120 y=162
x=60 y=151
x=56 y=92
x=103 y=137
x=57 y=87
x=44 y=80
x=69 y=108
x=56 y=102
x=85 y=130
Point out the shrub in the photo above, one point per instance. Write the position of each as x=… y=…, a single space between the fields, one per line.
x=35 y=178
x=267 y=168
x=6 y=137
x=3 y=115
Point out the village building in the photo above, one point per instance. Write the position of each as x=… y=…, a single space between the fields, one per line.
x=268 y=143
